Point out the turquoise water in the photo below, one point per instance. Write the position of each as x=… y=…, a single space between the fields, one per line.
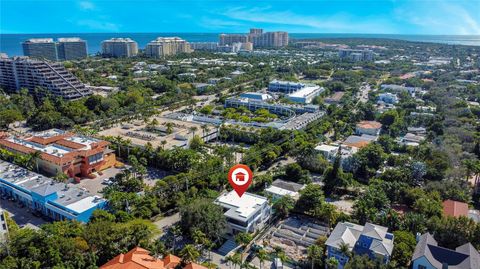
x=11 y=43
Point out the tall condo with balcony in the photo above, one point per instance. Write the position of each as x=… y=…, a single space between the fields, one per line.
x=39 y=76
x=119 y=48
x=166 y=46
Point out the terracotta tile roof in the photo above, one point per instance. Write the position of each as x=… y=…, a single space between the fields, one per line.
x=454 y=208
x=194 y=266
x=139 y=258
x=171 y=261
x=69 y=144
x=369 y=125
x=48 y=140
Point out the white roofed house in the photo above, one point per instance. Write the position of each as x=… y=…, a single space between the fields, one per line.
x=372 y=240
x=248 y=213
x=280 y=188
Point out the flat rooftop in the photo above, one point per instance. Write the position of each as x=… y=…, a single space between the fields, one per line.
x=240 y=207
x=306 y=91
x=26 y=182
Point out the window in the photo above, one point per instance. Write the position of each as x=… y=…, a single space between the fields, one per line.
x=421 y=267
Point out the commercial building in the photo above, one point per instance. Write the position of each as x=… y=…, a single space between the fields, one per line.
x=40 y=48
x=119 y=48
x=247 y=213
x=256 y=96
x=166 y=46
x=139 y=258
x=21 y=72
x=45 y=196
x=280 y=109
x=3 y=226
x=368 y=128
x=356 y=55
x=306 y=94
x=72 y=48
x=284 y=86
x=428 y=255
x=63 y=152
x=372 y=240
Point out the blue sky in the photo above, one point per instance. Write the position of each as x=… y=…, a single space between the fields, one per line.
x=461 y=17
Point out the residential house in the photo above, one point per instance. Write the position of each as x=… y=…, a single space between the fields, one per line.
x=368 y=127
x=280 y=188
x=139 y=258
x=428 y=255
x=247 y=213
x=372 y=240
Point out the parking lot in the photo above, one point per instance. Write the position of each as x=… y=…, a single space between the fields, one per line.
x=95 y=185
x=21 y=215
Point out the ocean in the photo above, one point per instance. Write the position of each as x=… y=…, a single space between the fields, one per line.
x=11 y=43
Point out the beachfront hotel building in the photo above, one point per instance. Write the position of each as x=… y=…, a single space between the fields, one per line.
x=71 y=48
x=32 y=74
x=119 y=48
x=257 y=37
x=63 y=152
x=43 y=195
x=166 y=46
x=40 y=48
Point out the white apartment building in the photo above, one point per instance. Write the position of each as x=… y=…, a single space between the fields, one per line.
x=244 y=214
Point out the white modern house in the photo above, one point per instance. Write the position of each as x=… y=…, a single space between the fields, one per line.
x=247 y=213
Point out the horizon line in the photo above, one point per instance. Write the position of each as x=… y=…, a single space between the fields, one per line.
x=327 y=33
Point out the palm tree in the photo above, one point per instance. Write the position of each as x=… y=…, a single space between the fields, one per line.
x=34 y=157
x=344 y=248
x=163 y=143
x=169 y=127
x=236 y=260
x=193 y=129
x=175 y=230
x=189 y=254
x=262 y=257
x=229 y=260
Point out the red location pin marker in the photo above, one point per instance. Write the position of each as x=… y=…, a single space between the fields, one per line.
x=240 y=178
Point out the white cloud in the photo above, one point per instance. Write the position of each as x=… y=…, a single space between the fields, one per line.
x=335 y=23
x=86 y=5
x=99 y=25
x=441 y=17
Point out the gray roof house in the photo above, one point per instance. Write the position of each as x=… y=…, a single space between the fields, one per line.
x=428 y=255
x=372 y=240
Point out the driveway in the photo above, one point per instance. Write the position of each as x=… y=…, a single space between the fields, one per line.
x=166 y=222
